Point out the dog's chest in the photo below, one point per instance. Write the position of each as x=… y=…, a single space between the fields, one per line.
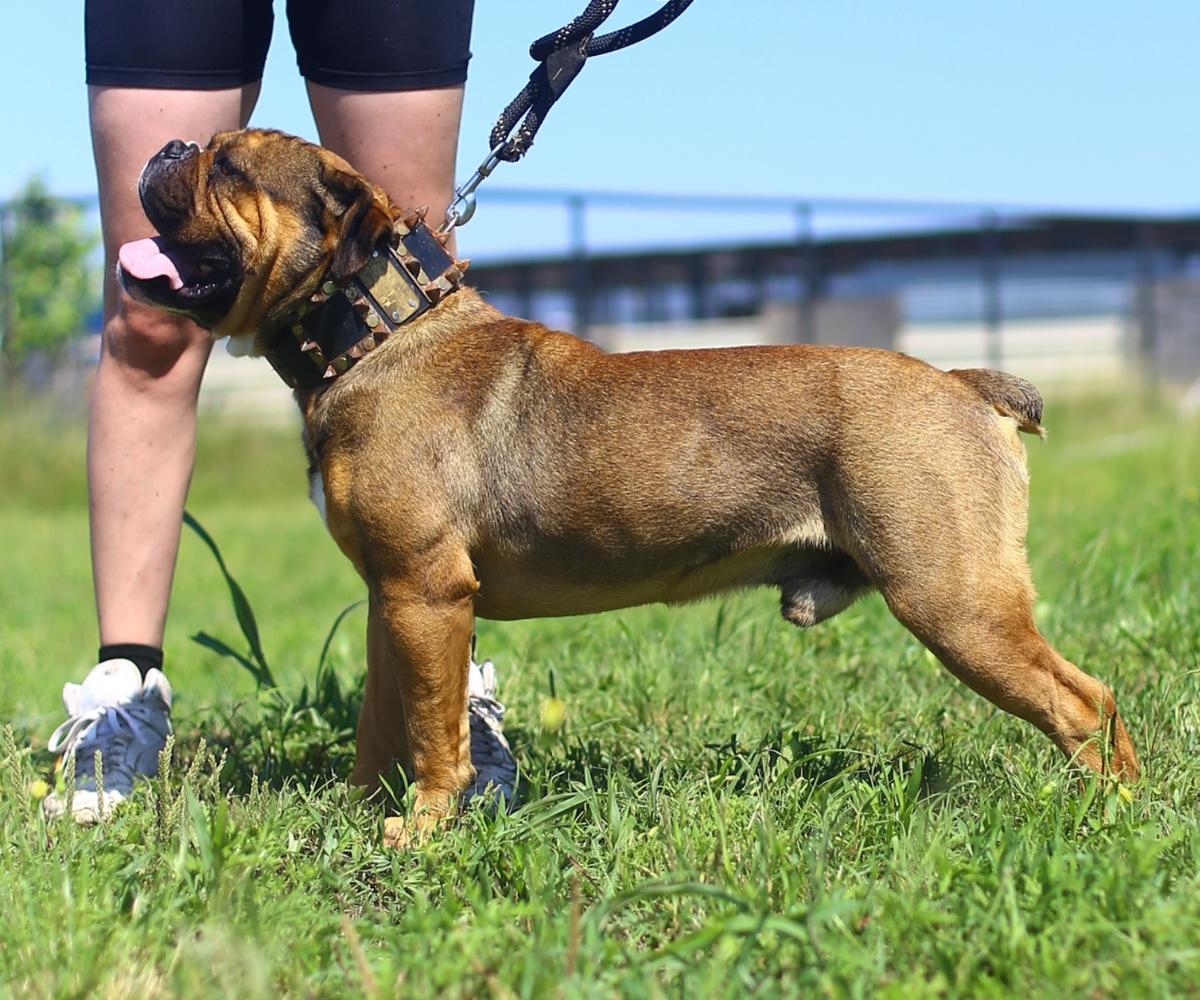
x=316 y=493
x=329 y=489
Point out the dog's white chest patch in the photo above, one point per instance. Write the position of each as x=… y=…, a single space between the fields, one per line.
x=316 y=493
x=241 y=345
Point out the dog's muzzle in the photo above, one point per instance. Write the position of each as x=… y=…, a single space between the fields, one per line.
x=163 y=187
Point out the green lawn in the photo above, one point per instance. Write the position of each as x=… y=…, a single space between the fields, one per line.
x=732 y=806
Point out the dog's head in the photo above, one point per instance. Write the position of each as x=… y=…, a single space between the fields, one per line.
x=250 y=226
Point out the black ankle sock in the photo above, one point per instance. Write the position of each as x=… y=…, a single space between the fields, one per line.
x=145 y=657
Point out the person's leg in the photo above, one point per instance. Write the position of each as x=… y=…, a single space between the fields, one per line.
x=385 y=81
x=141 y=434
x=141 y=438
x=155 y=72
x=405 y=141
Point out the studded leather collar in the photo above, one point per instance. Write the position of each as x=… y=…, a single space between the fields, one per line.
x=346 y=322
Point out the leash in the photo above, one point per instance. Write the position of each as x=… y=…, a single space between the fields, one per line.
x=345 y=322
x=560 y=56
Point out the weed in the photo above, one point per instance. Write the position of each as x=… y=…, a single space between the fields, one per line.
x=306 y=736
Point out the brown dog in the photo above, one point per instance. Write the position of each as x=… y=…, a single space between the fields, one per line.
x=475 y=464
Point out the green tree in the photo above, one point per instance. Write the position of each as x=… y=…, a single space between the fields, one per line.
x=48 y=280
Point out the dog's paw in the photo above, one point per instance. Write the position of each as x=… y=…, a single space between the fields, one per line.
x=397 y=833
x=427 y=816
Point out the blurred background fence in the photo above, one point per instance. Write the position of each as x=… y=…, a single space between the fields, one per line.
x=1062 y=297
x=1053 y=295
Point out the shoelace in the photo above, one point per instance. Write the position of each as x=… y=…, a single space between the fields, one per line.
x=494 y=764
x=485 y=704
x=111 y=729
x=78 y=729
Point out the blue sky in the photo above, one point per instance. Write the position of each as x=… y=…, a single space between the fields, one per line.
x=1067 y=104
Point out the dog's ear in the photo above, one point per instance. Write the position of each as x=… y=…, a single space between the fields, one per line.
x=364 y=220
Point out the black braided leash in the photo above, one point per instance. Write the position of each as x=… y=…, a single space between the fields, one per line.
x=560 y=55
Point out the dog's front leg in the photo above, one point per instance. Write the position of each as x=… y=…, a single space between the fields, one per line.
x=424 y=624
x=382 y=738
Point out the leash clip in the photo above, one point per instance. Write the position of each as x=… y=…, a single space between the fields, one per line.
x=462 y=207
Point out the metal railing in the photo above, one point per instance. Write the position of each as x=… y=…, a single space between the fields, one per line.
x=987 y=270
x=993 y=269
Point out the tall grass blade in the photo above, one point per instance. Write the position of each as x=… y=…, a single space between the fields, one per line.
x=224 y=649
x=332 y=632
x=241 y=607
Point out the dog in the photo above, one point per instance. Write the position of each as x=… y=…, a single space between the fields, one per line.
x=475 y=464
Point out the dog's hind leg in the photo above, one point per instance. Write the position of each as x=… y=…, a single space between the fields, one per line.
x=937 y=522
x=986 y=637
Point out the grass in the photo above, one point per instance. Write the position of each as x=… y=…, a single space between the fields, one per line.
x=732 y=805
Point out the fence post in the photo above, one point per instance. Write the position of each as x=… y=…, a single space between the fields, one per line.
x=1147 y=311
x=523 y=286
x=808 y=274
x=581 y=287
x=993 y=317
x=697 y=282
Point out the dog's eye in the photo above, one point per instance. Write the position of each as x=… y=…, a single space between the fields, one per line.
x=225 y=168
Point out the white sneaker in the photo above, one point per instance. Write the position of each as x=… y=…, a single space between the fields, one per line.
x=495 y=768
x=123 y=717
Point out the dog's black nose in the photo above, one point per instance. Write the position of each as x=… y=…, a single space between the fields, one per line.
x=176 y=149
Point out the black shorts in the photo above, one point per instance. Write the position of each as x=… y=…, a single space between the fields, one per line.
x=349 y=44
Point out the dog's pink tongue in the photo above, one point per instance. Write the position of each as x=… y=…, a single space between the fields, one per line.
x=145 y=259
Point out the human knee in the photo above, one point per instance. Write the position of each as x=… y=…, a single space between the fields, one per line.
x=150 y=341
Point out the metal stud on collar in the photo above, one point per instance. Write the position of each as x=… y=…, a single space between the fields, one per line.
x=379 y=304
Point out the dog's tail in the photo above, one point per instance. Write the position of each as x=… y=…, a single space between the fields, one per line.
x=1011 y=396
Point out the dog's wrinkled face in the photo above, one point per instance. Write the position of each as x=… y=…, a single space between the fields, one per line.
x=250 y=226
